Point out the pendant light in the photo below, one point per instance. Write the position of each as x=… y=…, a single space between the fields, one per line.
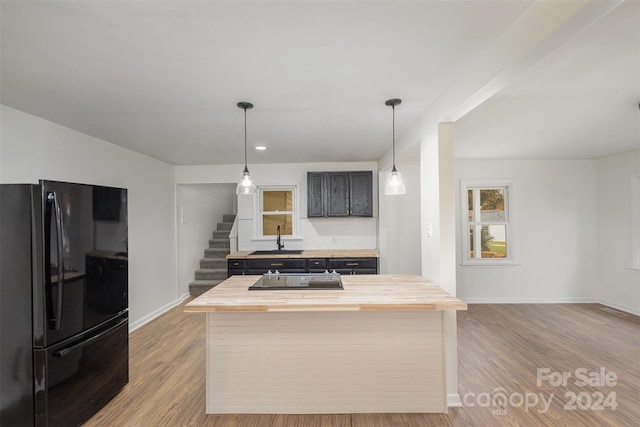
x=246 y=187
x=394 y=184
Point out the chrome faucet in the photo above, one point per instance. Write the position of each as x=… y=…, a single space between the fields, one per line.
x=278 y=241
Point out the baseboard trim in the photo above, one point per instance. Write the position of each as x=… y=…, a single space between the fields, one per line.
x=622 y=307
x=149 y=317
x=522 y=300
x=453 y=400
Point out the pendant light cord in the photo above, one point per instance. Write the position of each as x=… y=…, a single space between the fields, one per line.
x=245 y=106
x=392 y=103
x=393 y=126
x=245 y=137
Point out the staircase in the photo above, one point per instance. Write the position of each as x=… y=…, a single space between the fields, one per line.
x=213 y=267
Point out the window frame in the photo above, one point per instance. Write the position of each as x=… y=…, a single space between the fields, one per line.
x=508 y=186
x=295 y=212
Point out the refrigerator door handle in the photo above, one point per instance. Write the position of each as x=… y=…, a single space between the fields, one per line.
x=52 y=197
x=65 y=351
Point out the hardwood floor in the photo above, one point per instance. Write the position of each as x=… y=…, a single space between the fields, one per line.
x=500 y=349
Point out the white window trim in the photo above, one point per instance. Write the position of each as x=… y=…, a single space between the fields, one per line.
x=635 y=221
x=466 y=184
x=295 y=214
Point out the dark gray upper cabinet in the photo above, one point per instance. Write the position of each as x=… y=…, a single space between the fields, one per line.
x=339 y=194
x=315 y=194
x=361 y=193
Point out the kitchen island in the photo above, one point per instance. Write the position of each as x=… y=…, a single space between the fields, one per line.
x=374 y=346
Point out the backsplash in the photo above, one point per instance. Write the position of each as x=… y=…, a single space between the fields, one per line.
x=317 y=233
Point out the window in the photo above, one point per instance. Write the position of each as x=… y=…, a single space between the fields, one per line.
x=277 y=208
x=486 y=223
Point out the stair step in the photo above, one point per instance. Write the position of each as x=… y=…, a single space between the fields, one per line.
x=219 y=243
x=213 y=263
x=198 y=287
x=211 y=274
x=226 y=226
x=224 y=234
x=216 y=252
x=228 y=218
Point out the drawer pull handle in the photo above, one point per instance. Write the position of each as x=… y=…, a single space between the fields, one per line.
x=276 y=264
x=317 y=263
x=352 y=264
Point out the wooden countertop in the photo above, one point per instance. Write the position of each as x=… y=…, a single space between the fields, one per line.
x=364 y=292
x=312 y=253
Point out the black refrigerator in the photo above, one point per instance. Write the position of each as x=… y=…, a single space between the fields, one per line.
x=63 y=301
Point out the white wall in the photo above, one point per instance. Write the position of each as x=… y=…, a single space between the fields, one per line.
x=556 y=240
x=403 y=242
x=200 y=208
x=316 y=233
x=32 y=148
x=399 y=217
x=618 y=285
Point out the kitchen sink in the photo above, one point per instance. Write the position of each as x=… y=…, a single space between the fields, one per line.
x=278 y=252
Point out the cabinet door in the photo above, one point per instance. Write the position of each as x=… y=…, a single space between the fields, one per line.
x=315 y=194
x=236 y=267
x=338 y=193
x=361 y=194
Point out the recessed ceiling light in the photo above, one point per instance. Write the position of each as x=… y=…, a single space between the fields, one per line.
x=260 y=147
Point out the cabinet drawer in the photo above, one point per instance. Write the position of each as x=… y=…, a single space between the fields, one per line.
x=235 y=264
x=316 y=265
x=280 y=264
x=353 y=263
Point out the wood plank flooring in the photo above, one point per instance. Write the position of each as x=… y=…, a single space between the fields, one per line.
x=500 y=349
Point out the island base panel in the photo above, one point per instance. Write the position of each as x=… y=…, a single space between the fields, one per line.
x=325 y=362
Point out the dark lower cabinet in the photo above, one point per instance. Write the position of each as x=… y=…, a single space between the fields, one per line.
x=258 y=266
x=262 y=265
x=316 y=265
x=354 y=265
x=236 y=267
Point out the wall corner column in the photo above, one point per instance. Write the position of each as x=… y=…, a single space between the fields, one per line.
x=447 y=251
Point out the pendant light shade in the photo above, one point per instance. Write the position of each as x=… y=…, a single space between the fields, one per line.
x=246 y=187
x=394 y=184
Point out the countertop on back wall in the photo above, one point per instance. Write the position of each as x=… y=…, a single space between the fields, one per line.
x=312 y=253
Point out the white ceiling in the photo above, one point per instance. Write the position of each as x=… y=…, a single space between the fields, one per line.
x=163 y=78
x=581 y=101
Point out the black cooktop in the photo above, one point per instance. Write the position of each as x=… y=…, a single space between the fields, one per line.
x=299 y=281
